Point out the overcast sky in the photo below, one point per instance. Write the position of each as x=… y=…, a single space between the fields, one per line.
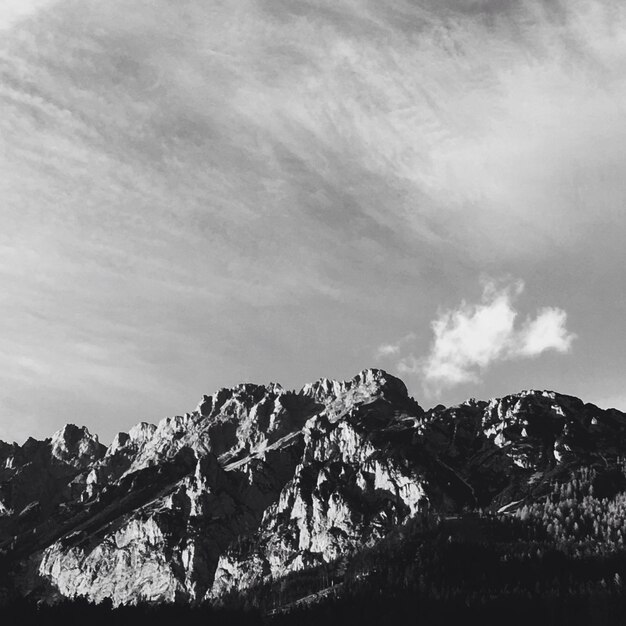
x=197 y=193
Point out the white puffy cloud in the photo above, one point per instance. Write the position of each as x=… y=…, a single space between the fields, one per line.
x=469 y=339
x=546 y=332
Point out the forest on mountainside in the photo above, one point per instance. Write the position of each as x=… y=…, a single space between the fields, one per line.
x=560 y=559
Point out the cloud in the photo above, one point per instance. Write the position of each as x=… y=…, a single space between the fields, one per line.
x=387 y=349
x=471 y=338
x=12 y=11
x=546 y=332
x=211 y=184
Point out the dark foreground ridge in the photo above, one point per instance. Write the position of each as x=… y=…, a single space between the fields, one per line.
x=344 y=502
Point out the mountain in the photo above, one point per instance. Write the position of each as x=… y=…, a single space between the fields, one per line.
x=266 y=493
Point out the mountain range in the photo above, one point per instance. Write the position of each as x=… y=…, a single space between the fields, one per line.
x=283 y=499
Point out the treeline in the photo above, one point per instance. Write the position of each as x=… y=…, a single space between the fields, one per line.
x=374 y=608
x=583 y=515
x=83 y=613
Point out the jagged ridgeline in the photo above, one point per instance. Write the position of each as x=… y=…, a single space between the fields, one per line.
x=278 y=500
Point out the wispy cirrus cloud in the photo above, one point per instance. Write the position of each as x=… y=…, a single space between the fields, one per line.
x=469 y=339
x=12 y=11
x=194 y=187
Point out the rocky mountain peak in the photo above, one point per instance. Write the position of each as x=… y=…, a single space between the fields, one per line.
x=136 y=437
x=366 y=387
x=75 y=445
x=237 y=399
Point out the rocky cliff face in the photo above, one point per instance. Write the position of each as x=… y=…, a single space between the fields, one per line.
x=258 y=482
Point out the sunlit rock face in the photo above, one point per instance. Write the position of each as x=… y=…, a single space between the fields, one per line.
x=76 y=446
x=344 y=492
x=260 y=481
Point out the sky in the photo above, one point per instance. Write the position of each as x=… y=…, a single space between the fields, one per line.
x=198 y=193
